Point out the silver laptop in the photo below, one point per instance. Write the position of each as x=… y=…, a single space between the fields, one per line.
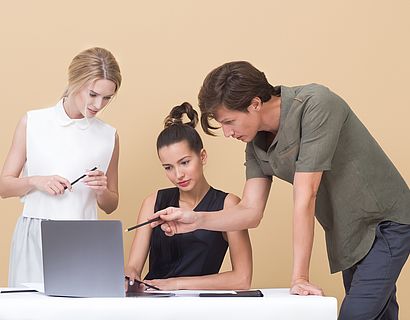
x=83 y=258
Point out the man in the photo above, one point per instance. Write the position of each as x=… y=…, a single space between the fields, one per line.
x=309 y=136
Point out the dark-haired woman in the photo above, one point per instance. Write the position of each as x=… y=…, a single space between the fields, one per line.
x=193 y=260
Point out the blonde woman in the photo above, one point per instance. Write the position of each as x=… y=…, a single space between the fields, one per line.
x=53 y=146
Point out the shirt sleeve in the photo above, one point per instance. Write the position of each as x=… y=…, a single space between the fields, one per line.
x=321 y=124
x=253 y=169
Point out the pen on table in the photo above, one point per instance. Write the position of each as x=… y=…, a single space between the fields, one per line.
x=18 y=291
x=140 y=282
x=142 y=224
x=78 y=179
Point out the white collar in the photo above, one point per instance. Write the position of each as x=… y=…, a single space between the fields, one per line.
x=64 y=120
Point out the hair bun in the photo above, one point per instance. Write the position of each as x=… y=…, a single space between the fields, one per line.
x=176 y=115
x=169 y=121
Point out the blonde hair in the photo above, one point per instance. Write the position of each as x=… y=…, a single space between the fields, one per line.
x=92 y=64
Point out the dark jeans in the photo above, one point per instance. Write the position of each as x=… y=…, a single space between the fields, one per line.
x=371 y=283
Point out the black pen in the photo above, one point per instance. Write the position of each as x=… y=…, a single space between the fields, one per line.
x=78 y=179
x=142 y=224
x=140 y=282
x=18 y=291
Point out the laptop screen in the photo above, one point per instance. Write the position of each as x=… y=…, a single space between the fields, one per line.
x=83 y=258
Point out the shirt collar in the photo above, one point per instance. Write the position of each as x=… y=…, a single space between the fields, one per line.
x=287 y=96
x=64 y=120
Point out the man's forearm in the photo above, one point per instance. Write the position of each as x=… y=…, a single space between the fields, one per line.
x=232 y=219
x=303 y=232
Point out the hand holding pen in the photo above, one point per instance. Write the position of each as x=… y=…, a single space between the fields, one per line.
x=83 y=176
x=137 y=285
x=96 y=180
x=54 y=185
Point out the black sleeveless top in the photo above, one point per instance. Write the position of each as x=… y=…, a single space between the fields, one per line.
x=196 y=253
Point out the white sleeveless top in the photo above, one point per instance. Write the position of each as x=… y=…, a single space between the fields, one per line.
x=59 y=145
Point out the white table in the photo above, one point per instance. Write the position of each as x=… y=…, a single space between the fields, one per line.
x=276 y=304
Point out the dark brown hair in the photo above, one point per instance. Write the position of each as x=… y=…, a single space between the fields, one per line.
x=176 y=131
x=233 y=85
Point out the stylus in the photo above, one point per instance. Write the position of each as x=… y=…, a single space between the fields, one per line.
x=145 y=284
x=142 y=224
x=18 y=291
x=78 y=179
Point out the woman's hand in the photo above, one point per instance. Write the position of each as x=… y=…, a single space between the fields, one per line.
x=164 y=284
x=53 y=185
x=96 y=180
x=130 y=277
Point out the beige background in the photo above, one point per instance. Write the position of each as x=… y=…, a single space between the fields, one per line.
x=360 y=49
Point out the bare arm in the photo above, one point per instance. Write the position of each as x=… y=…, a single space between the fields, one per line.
x=246 y=214
x=11 y=184
x=106 y=185
x=305 y=187
x=141 y=243
x=238 y=278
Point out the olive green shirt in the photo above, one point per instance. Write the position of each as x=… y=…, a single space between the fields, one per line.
x=360 y=186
